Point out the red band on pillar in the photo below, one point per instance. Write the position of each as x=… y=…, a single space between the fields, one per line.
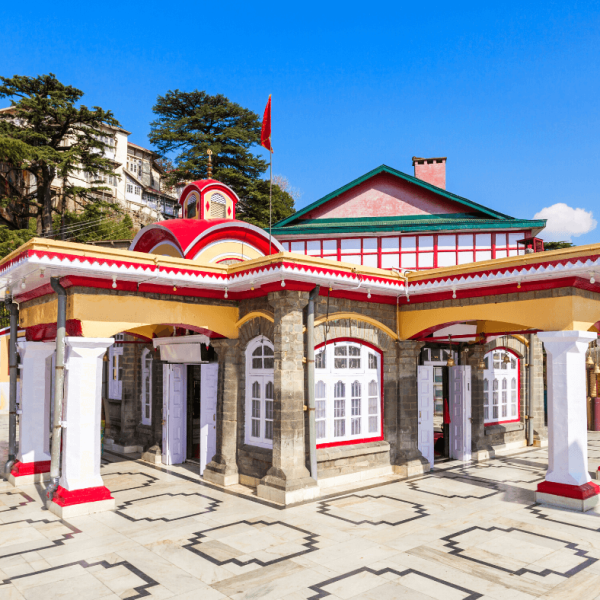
x=66 y=498
x=20 y=469
x=579 y=492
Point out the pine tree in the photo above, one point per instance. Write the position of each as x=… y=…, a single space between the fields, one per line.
x=47 y=135
x=189 y=123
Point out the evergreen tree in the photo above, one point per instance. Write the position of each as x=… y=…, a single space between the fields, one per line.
x=189 y=123
x=557 y=245
x=44 y=133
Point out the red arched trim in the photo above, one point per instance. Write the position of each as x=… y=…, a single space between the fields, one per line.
x=518 y=419
x=381 y=371
x=237 y=233
x=151 y=238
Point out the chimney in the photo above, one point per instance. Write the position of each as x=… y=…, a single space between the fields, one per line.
x=431 y=170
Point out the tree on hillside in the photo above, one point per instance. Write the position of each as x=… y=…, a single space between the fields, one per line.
x=46 y=138
x=557 y=245
x=189 y=123
x=93 y=224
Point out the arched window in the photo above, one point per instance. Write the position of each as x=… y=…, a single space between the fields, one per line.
x=146 y=387
x=347 y=393
x=503 y=374
x=260 y=392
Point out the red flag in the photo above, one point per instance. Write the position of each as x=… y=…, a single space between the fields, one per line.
x=265 y=134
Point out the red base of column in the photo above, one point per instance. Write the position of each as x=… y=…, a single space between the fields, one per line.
x=64 y=497
x=20 y=469
x=577 y=492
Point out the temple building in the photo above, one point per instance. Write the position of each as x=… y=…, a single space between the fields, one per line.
x=385 y=328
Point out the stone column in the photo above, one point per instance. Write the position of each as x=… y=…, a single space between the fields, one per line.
x=540 y=431
x=479 y=447
x=223 y=467
x=81 y=489
x=288 y=480
x=567 y=481
x=409 y=460
x=33 y=458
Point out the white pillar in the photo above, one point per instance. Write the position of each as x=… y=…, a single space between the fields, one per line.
x=33 y=457
x=567 y=481
x=81 y=489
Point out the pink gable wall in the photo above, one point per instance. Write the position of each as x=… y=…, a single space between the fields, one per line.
x=385 y=196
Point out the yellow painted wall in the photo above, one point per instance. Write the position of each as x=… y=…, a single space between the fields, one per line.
x=166 y=250
x=104 y=316
x=229 y=247
x=550 y=314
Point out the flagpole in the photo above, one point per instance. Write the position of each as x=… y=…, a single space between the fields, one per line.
x=270 y=195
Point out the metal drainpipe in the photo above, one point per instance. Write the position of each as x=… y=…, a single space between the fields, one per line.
x=310 y=359
x=59 y=378
x=12 y=389
x=530 y=392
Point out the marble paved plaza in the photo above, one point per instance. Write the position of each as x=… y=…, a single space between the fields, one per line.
x=461 y=532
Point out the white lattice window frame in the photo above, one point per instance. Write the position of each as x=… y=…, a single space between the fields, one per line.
x=146 y=399
x=502 y=384
x=358 y=416
x=264 y=378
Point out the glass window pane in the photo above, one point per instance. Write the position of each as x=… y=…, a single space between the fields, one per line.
x=320 y=389
x=320 y=360
x=267 y=350
x=269 y=363
x=446 y=242
x=370 y=245
x=340 y=350
x=313 y=248
x=350 y=246
x=355 y=426
x=372 y=361
x=257 y=363
x=339 y=428
x=269 y=409
x=256 y=409
x=373 y=406
x=465 y=242
x=446 y=259
x=329 y=246
x=483 y=241
x=425 y=242
x=340 y=363
x=258 y=351
x=269 y=430
x=255 y=428
x=339 y=408
x=298 y=247
x=425 y=260
x=373 y=388
x=408 y=261
x=390 y=261
x=390 y=244
x=320 y=409
x=408 y=243
x=373 y=424
x=269 y=391
x=370 y=260
x=320 y=430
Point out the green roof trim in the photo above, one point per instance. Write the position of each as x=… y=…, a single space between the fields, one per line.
x=402 y=225
x=385 y=169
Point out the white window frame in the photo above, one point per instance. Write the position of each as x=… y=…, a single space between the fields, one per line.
x=358 y=417
x=147 y=387
x=263 y=377
x=115 y=368
x=505 y=383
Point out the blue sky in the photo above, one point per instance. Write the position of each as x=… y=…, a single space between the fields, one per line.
x=508 y=91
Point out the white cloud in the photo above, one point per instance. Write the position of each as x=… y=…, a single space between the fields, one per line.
x=565 y=222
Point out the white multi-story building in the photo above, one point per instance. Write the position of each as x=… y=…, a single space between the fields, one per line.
x=138 y=186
